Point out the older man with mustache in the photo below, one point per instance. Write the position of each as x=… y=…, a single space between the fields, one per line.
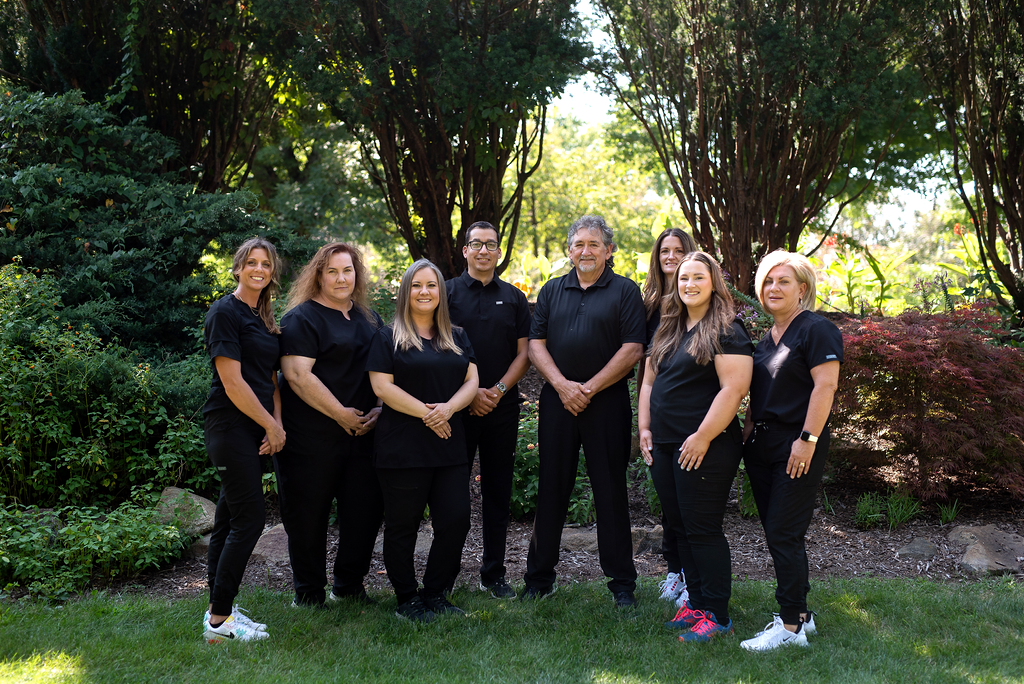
x=588 y=332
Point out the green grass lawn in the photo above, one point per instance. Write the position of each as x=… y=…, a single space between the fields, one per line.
x=868 y=631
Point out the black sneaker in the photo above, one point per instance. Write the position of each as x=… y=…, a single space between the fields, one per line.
x=537 y=593
x=414 y=610
x=356 y=597
x=625 y=599
x=499 y=589
x=440 y=605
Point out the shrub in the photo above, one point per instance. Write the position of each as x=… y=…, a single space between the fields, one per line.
x=900 y=508
x=868 y=513
x=949 y=512
x=948 y=400
x=56 y=553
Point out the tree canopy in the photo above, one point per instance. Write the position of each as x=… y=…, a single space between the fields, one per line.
x=447 y=98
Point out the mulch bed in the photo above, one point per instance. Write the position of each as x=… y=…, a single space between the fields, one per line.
x=835 y=547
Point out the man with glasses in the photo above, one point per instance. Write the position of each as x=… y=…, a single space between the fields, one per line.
x=496 y=317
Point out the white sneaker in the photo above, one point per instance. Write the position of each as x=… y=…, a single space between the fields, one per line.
x=241 y=618
x=231 y=630
x=684 y=596
x=809 y=628
x=673 y=585
x=773 y=636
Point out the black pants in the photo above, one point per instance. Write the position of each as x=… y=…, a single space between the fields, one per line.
x=241 y=515
x=785 y=506
x=311 y=473
x=669 y=543
x=694 y=504
x=495 y=434
x=604 y=430
x=407 y=493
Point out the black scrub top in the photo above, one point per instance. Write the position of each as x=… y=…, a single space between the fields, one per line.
x=404 y=441
x=495 y=316
x=684 y=390
x=340 y=346
x=584 y=329
x=652 y=326
x=233 y=331
x=780 y=390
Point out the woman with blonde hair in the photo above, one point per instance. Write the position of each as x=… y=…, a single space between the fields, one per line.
x=698 y=371
x=242 y=422
x=796 y=372
x=669 y=249
x=425 y=372
x=329 y=410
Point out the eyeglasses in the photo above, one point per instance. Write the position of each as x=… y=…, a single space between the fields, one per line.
x=491 y=245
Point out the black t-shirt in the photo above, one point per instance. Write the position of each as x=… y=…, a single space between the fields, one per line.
x=585 y=328
x=404 y=441
x=652 y=326
x=235 y=332
x=684 y=390
x=340 y=346
x=495 y=316
x=780 y=390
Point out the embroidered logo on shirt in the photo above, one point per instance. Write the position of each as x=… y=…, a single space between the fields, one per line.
x=497 y=302
x=830 y=357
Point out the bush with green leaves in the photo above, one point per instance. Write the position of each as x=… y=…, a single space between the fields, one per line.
x=81 y=421
x=90 y=201
x=55 y=553
x=869 y=512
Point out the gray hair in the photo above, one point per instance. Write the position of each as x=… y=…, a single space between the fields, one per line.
x=593 y=222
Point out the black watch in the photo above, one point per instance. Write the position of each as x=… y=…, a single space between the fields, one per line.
x=808 y=437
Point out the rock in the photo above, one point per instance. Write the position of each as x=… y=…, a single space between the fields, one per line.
x=192 y=514
x=647 y=540
x=273 y=545
x=920 y=549
x=991 y=551
x=200 y=547
x=579 y=539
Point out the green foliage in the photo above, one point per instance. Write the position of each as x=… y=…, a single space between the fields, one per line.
x=900 y=508
x=81 y=421
x=949 y=512
x=56 y=553
x=747 y=505
x=869 y=511
x=85 y=198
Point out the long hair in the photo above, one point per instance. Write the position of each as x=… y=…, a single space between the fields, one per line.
x=657 y=286
x=704 y=343
x=310 y=282
x=801 y=266
x=265 y=305
x=403 y=326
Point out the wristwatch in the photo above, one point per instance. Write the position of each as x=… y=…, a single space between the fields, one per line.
x=500 y=386
x=808 y=437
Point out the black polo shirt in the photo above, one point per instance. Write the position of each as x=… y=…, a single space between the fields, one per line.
x=340 y=346
x=781 y=388
x=585 y=328
x=404 y=441
x=684 y=390
x=495 y=316
x=233 y=331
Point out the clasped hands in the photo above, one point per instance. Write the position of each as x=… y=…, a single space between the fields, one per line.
x=437 y=419
x=575 y=396
x=355 y=422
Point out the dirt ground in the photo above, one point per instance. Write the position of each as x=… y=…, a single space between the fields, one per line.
x=835 y=547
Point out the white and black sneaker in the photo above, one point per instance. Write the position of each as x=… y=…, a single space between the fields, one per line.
x=241 y=618
x=774 y=636
x=231 y=630
x=672 y=586
x=415 y=610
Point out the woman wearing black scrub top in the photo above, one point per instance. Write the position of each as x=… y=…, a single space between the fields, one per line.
x=329 y=411
x=697 y=373
x=425 y=372
x=796 y=371
x=242 y=421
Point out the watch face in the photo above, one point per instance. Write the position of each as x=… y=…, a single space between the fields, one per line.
x=501 y=386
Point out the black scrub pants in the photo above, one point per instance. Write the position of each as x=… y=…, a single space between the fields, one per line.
x=604 y=430
x=241 y=515
x=669 y=543
x=495 y=435
x=785 y=506
x=312 y=473
x=407 y=493
x=694 y=504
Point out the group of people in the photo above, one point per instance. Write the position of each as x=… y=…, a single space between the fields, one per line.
x=387 y=419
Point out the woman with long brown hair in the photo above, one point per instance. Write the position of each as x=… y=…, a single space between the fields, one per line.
x=329 y=410
x=425 y=371
x=669 y=249
x=242 y=422
x=698 y=371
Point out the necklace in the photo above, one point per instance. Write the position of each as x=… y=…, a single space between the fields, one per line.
x=255 y=310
